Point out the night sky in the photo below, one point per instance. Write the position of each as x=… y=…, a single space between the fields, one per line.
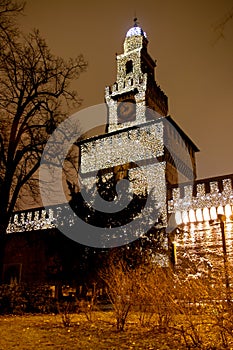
x=194 y=60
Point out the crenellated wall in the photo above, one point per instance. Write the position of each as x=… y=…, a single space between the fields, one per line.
x=34 y=219
x=203 y=200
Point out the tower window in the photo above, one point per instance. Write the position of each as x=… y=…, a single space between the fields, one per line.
x=129 y=67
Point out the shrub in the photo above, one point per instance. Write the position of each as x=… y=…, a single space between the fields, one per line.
x=21 y=298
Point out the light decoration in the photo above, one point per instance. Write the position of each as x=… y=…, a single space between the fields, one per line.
x=122 y=148
x=200 y=244
x=106 y=153
x=204 y=205
x=135 y=31
x=133 y=84
x=126 y=86
x=156 y=186
x=32 y=220
x=139 y=147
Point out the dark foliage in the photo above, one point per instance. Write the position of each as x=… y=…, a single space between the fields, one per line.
x=21 y=298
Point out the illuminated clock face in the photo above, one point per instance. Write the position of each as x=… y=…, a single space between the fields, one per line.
x=126 y=111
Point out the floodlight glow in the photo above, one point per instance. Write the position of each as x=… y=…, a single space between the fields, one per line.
x=220 y=210
x=213 y=213
x=228 y=211
x=178 y=218
x=199 y=215
x=192 y=216
x=206 y=214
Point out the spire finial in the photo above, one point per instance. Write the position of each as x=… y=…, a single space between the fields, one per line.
x=135 y=21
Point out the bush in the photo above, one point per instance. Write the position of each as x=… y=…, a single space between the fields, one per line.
x=12 y=300
x=21 y=298
x=39 y=299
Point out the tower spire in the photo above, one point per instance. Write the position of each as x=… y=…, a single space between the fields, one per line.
x=135 y=21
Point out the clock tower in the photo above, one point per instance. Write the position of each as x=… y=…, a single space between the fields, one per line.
x=142 y=145
x=135 y=88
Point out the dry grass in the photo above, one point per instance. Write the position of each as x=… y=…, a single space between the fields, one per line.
x=46 y=331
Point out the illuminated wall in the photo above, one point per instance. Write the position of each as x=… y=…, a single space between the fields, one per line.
x=202 y=201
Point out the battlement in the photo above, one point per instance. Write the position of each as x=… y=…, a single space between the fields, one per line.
x=125 y=85
x=33 y=219
x=203 y=200
x=197 y=202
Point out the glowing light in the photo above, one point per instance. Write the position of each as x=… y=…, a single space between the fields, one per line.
x=192 y=216
x=32 y=220
x=220 y=210
x=213 y=213
x=178 y=217
x=228 y=211
x=121 y=148
x=199 y=215
x=185 y=217
x=216 y=200
x=206 y=214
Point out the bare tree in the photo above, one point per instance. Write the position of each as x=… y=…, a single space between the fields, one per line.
x=219 y=28
x=35 y=95
x=8 y=13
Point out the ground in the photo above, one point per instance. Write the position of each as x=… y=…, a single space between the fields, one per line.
x=47 y=331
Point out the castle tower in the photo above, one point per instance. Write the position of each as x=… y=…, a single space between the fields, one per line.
x=135 y=85
x=142 y=143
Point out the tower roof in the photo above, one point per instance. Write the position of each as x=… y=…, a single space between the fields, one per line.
x=135 y=30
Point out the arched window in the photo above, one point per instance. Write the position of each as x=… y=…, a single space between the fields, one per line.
x=129 y=67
